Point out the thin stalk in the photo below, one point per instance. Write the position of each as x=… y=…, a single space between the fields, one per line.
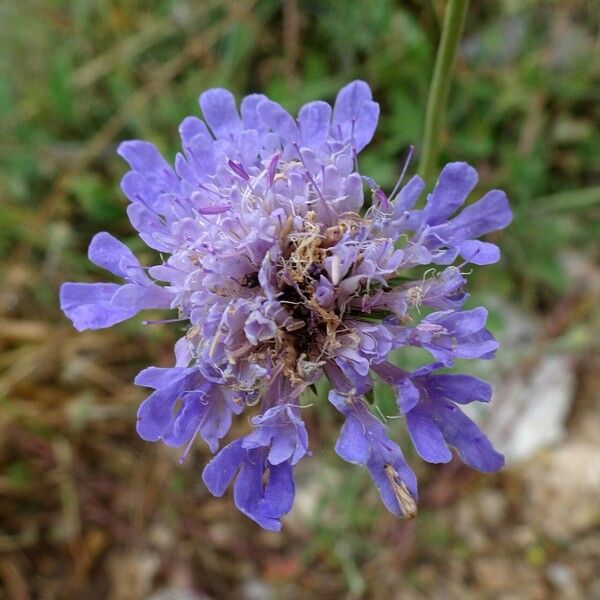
x=454 y=20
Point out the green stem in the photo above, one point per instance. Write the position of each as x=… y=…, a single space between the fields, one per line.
x=454 y=20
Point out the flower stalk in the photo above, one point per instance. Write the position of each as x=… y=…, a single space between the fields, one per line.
x=454 y=19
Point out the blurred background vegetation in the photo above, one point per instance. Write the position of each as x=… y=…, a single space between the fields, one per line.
x=89 y=511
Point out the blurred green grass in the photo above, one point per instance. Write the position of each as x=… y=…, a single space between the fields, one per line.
x=78 y=76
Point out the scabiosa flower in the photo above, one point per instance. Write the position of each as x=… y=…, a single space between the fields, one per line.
x=282 y=277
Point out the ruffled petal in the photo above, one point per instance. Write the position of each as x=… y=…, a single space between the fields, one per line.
x=314 y=119
x=479 y=253
x=279 y=491
x=219 y=472
x=488 y=214
x=456 y=181
x=138 y=297
x=352 y=444
x=366 y=124
x=219 y=110
x=427 y=438
x=109 y=253
x=461 y=432
x=459 y=388
x=89 y=305
x=143 y=156
x=190 y=127
x=349 y=101
x=279 y=120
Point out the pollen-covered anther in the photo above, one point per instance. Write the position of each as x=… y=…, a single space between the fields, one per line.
x=403 y=496
x=414 y=296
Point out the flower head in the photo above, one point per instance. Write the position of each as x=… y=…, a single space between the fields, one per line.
x=283 y=276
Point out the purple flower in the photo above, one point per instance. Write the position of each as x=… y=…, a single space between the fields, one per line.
x=264 y=487
x=98 y=305
x=435 y=422
x=206 y=407
x=363 y=441
x=450 y=334
x=282 y=278
x=281 y=430
x=262 y=491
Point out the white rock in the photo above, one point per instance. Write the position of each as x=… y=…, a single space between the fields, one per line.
x=530 y=413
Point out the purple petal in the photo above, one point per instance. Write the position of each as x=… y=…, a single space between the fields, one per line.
x=250 y=118
x=466 y=322
x=458 y=388
x=158 y=377
x=109 y=253
x=427 y=438
x=149 y=226
x=314 y=119
x=353 y=444
x=182 y=350
x=216 y=422
x=249 y=145
x=409 y=194
x=459 y=431
x=391 y=456
x=331 y=185
x=366 y=124
x=407 y=396
x=455 y=183
x=279 y=120
x=248 y=493
x=354 y=193
x=155 y=414
x=283 y=445
x=490 y=213
x=185 y=423
x=202 y=150
x=137 y=297
x=219 y=110
x=445 y=291
x=480 y=253
x=143 y=156
x=184 y=170
x=148 y=187
x=279 y=491
x=477 y=345
x=219 y=472
x=349 y=101
x=190 y=127
x=89 y=306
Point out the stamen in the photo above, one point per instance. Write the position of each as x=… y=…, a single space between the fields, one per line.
x=207 y=189
x=238 y=170
x=411 y=150
x=162 y=321
x=328 y=209
x=272 y=168
x=335 y=269
x=215 y=209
